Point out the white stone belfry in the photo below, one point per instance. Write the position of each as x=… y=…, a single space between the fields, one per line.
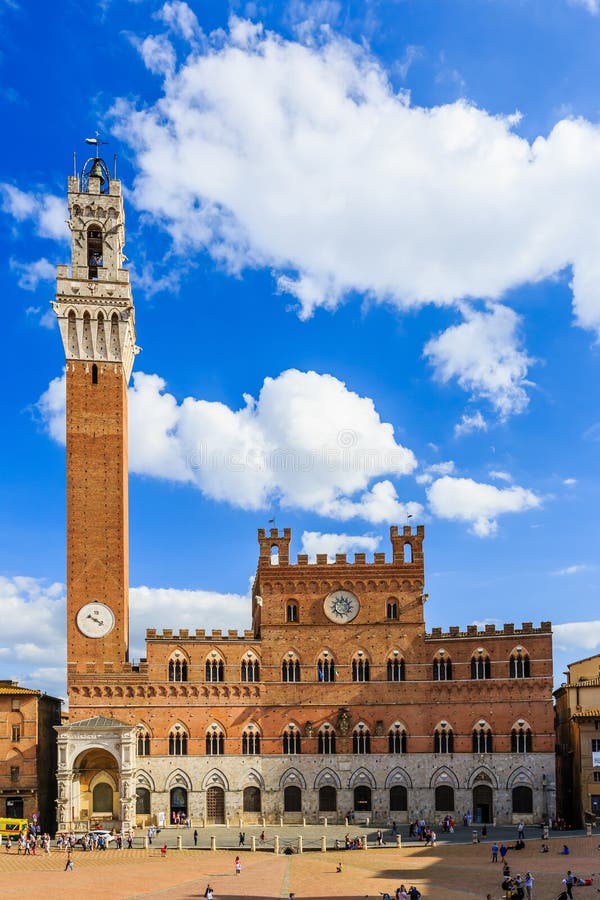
x=94 y=305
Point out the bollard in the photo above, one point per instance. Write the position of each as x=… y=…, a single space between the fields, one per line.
x=227 y=822
x=213 y=842
x=300 y=850
x=364 y=842
x=253 y=844
x=588 y=829
x=323 y=844
x=474 y=837
x=346 y=821
x=545 y=833
x=398 y=840
x=303 y=822
x=281 y=821
x=263 y=821
x=145 y=842
x=276 y=845
x=241 y=823
x=179 y=842
x=325 y=822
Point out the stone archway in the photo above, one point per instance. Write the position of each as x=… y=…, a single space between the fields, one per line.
x=96 y=774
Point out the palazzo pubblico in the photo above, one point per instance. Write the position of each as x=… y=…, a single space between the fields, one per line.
x=338 y=699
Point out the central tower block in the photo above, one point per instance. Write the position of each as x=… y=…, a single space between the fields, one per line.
x=95 y=314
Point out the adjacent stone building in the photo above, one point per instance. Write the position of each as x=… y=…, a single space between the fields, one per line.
x=28 y=754
x=338 y=699
x=578 y=742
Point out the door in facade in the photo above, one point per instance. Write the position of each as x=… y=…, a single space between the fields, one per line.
x=483 y=804
x=14 y=808
x=178 y=804
x=215 y=806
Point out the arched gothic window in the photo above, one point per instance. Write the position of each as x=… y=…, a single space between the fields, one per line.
x=361 y=739
x=326 y=740
x=397 y=738
x=143 y=743
x=291 y=744
x=360 y=667
x=520 y=738
x=215 y=741
x=396 y=669
x=443 y=739
x=250 y=670
x=290 y=668
x=292 y=611
x=215 y=669
x=94 y=250
x=519 y=664
x=325 y=668
x=482 y=738
x=392 y=609
x=442 y=667
x=480 y=666
x=250 y=741
x=178 y=668
x=178 y=741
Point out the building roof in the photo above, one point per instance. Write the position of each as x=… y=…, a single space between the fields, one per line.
x=587 y=714
x=7 y=688
x=99 y=722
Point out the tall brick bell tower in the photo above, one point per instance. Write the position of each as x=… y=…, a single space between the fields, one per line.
x=95 y=312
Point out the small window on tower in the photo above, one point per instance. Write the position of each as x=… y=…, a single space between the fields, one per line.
x=94 y=374
x=94 y=250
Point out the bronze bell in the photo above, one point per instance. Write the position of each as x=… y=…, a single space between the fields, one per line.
x=96 y=171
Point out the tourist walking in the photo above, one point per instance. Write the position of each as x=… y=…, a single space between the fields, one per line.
x=495 y=852
x=529 y=885
x=69 y=862
x=195 y=837
x=238 y=866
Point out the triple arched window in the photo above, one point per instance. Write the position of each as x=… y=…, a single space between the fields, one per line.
x=396 y=670
x=251 y=741
x=442 y=667
x=480 y=666
x=178 y=668
x=397 y=738
x=215 y=741
x=326 y=739
x=443 y=739
x=361 y=739
x=178 y=741
x=360 y=667
x=291 y=743
x=482 y=738
x=290 y=667
x=325 y=667
x=521 y=738
x=143 y=742
x=250 y=669
x=519 y=663
x=215 y=668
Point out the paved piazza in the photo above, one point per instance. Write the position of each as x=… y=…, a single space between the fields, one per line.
x=447 y=872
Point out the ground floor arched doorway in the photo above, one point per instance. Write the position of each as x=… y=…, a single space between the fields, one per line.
x=215 y=805
x=483 y=804
x=179 y=805
x=95 y=793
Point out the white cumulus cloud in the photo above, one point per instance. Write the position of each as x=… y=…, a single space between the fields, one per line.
x=46 y=212
x=482 y=354
x=356 y=189
x=307 y=442
x=30 y=274
x=470 y=423
x=465 y=500
x=579 y=638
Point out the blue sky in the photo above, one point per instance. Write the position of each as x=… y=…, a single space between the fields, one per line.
x=363 y=240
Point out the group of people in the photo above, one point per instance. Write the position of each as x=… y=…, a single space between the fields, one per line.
x=402 y=893
x=422 y=832
x=29 y=843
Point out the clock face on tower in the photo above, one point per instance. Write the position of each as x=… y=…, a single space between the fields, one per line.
x=341 y=606
x=95 y=620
